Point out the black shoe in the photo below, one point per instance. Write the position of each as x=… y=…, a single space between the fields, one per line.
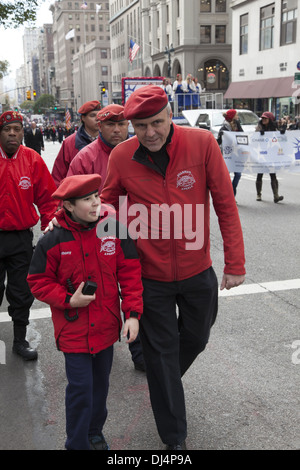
x=139 y=366
x=23 y=349
x=98 y=443
x=181 y=446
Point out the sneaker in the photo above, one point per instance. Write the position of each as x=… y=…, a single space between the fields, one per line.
x=98 y=443
x=258 y=197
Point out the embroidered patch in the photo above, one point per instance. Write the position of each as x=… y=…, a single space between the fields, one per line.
x=25 y=182
x=185 y=180
x=108 y=245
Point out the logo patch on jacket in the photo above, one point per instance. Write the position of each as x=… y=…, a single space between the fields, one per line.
x=25 y=182
x=108 y=245
x=185 y=180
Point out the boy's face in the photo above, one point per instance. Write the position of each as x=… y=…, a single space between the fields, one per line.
x=85 y=209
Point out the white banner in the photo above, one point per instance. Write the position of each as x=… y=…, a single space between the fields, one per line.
x=255 y=153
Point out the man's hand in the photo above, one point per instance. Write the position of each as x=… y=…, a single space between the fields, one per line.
x=131 y=326
x=231 y=280
x=78 y=299
x=53 y=223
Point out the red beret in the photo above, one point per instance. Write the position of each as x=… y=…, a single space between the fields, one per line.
x=9 y=117
x=145 y=102
x=229 y=115
x=112 y=112
x=89 y=106
x=269 y=115
x=77 y=186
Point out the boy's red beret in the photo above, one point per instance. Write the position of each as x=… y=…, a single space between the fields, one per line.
x=77 y=186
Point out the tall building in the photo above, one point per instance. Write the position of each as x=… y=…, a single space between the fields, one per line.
x=46 y=59
x=30 y=48
x=265 y=56
x=175 y=36
x=81 y=50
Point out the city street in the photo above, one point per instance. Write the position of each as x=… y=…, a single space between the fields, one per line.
x=242 y=392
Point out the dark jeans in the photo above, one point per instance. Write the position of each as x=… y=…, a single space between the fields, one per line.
x=235 y=181
x=15 y=256
x=86 y=395
x=171 y=343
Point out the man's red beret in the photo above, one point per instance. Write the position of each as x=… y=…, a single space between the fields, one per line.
x=145 y=102
x=9 y=117
x=112 y=112
x=89 y=106
x=77 y=186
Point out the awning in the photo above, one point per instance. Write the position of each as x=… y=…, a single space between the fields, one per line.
x=268 y=88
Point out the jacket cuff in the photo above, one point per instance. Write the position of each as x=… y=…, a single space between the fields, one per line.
x=134 y=315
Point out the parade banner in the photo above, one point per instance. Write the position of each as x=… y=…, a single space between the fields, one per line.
x=255 y=153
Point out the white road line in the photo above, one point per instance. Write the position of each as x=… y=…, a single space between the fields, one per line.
x=244 y=289
x=262 y=287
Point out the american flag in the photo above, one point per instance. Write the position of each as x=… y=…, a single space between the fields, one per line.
x=83 y=5
x=68 y=119
x=133 y=50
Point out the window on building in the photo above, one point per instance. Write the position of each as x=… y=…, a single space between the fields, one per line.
x=104 y=70
x=205 y=6
x=244 y=34
x=289 y=15
x=103 y=53
x=220 y=34
x=220 y=5
x=205 y=34
x=259 y=70
x=267 y=27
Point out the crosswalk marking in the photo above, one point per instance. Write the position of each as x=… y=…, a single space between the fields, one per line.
x=244 y=289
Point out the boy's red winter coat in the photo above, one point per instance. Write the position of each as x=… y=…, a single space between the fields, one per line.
x=77 y=254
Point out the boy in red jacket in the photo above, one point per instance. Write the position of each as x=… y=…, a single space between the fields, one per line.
x=86 y=251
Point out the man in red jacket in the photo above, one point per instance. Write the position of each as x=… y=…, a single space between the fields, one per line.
x=25 y=183
x=171 y=171
x=93 y=158
x=87 y=133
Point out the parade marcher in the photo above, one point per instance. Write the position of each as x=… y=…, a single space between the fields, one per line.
x=183 y=166
x=190 y=88
x=196 y=96
x=34 y=139
x=231 y=123
x=86 y=324
x=167 y=87
x=87 y=133
x=25 y=183
x=93 y=159
x=267 y=123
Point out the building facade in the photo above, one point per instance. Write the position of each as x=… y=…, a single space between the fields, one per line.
x=265 y=56
x=174 y=36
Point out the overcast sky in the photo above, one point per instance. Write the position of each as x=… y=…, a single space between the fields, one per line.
x=11 y=39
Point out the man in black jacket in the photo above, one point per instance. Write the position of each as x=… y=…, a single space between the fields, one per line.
x=34 y=138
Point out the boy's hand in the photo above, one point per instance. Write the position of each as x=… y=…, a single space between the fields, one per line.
x=78 y=299
x=131 y=326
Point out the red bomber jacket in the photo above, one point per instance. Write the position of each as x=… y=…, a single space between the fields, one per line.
x=25 y=183
x=73 y=253
x=169 y=215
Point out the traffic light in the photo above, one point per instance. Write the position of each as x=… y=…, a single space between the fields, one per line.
x=102 y=88
x=34 y=94
x=28 y=95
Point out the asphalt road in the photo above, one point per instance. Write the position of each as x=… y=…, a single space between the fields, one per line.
x=242 y=392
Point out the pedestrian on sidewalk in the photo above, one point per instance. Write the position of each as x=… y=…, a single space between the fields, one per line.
x=87 y=324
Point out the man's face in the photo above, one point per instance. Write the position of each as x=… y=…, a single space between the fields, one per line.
x=114 y=132
x=90 y=122
x=11 y=137
x=153 y=132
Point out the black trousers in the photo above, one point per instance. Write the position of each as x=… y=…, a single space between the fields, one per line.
x=171 y=342
x=15 y=256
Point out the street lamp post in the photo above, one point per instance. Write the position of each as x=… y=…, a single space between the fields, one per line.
x=168 y=53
